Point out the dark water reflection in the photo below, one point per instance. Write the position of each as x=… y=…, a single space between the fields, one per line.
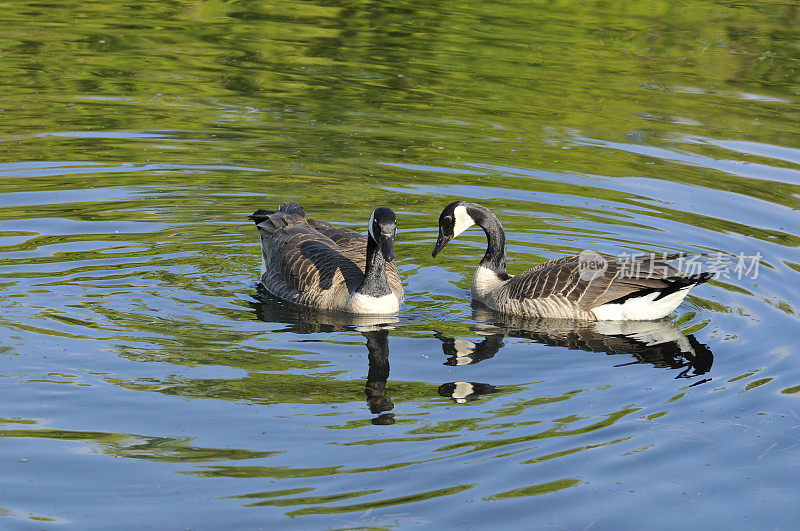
x=659 y=343
x=376 y=330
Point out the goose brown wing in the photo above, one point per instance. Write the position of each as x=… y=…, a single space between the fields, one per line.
x=556 y=277
x=340 y=235
x=622 y=278
x=301 y=259
x=630 y=277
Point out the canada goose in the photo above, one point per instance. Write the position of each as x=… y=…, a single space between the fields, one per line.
x=313 y=263
x=639 y=288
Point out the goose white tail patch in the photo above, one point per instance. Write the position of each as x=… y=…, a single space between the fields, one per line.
x=463 y=220
x=641 y=308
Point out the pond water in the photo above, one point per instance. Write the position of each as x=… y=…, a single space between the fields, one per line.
x=146 y=380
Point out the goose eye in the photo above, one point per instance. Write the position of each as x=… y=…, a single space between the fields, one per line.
x=448 y=219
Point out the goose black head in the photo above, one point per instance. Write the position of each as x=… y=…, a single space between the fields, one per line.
x=382 y=229
x=453 y=220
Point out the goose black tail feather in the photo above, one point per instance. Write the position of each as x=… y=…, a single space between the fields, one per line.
x=673 y=284
x=691 y=280
x=260 y=215
x=289 y=208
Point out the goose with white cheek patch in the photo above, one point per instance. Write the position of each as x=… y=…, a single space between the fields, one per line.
x=637 y=288
x=315 y=264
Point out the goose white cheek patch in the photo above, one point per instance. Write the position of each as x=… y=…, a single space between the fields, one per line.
x=369 y=227
x=463 y=220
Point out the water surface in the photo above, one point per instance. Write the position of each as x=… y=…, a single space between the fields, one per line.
x=147 y=380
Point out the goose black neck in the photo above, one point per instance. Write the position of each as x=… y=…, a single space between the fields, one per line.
x=374 y=284
x=495 y=257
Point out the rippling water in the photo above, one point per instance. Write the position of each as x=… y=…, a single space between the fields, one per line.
x=146 y=379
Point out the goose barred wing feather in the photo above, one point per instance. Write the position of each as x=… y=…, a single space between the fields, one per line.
x=558 y=276
x=395 y=284
x=561 y=279
x=303 y=265
x=340 y=235
x=629 y=277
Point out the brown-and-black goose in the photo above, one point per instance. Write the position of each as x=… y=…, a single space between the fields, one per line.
x=638 y=288
x=313 y=263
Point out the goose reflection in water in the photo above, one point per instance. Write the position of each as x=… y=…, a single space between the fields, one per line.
x=659 y=343
x=302 y=320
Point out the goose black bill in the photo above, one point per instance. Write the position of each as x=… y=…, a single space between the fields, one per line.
x=441 y=241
